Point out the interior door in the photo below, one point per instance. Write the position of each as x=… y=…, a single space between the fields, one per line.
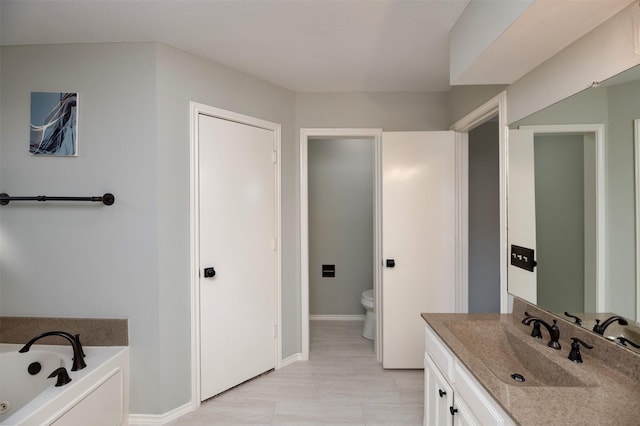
x=237 y=253
x=521 y=211
x=418 y=239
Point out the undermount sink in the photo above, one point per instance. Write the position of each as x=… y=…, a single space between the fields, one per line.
x=509 y=357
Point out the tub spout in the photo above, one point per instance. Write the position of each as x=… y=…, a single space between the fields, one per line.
x=78 y=353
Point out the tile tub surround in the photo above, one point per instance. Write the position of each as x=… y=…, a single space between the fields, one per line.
x=610 y=397
x=92 y=331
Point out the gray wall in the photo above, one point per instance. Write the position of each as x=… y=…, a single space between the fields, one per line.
x=560 y=209
x=484 y=219
x=181 y=78
x=465 y=99
x=130 y=260
x=88 y=260
x=388 y=111
x=341 y=194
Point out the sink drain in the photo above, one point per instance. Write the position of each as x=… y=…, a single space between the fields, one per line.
x=517 y=377
x=4 y=406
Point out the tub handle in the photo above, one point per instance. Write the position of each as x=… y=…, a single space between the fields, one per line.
x=62 y=375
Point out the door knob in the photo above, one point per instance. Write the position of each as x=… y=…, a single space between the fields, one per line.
x=391 y=263
x=209 y=272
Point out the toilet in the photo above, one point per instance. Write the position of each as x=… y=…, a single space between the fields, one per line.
x=368 y=330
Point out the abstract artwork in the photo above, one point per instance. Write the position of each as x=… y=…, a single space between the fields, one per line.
x=54 y=124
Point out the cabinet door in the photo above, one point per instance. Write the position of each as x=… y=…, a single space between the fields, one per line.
x=462 y=416
x=438 y=396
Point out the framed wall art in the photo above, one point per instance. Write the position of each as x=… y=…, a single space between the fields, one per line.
x=54 y=124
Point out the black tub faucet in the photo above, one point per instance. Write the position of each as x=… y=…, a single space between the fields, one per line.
x=78 y=353
x=554 y=331
x=600 y=328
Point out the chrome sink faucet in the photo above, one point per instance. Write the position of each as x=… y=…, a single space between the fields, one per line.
x=78 y=353
x=554 y=331
x=600 y=328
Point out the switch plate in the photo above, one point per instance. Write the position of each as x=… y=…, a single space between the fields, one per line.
x=523 y=257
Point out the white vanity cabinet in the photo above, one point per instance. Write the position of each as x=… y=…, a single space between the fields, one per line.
x=452 y=396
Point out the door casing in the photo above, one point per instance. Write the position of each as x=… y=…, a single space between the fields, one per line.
x=195 y=109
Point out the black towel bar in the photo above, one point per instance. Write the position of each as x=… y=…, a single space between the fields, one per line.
x=106 y=199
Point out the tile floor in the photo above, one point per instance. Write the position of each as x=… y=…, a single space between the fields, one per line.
x=341 y=384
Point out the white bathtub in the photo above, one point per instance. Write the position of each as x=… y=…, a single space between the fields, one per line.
x=96 y=395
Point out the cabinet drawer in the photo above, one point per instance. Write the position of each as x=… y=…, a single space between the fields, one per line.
x=440 y=354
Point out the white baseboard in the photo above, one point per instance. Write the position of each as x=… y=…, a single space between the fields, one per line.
x=336 y=317
x=160 y=419
x=291 y=359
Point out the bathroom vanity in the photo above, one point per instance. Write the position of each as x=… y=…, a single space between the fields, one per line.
x=486 y=369
x=451 y=393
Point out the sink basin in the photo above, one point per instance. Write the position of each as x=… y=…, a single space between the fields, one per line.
x=510 y=357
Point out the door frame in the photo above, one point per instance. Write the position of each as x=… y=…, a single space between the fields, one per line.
x=305 y=134
x=601 y=238
x=195 y=110
x=495 y=106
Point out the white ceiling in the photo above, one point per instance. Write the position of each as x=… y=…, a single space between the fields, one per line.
x=325 y=45
x=302 y=45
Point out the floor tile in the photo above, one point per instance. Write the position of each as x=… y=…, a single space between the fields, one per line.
x=341 y=384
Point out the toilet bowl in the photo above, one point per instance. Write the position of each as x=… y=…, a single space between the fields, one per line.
x=369 y=327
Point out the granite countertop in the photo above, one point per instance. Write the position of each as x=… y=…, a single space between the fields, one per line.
x=608 y=393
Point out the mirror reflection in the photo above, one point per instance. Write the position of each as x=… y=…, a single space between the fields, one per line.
x=572 y=198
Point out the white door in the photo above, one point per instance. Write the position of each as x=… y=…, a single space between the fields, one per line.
x=418 y=239
x=237 y=239
x=521 y=211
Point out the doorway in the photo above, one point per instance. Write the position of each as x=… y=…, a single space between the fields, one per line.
x=495 y=107
x=341 y=226
x=375 y=136
x=484 y=218
x=582 y=207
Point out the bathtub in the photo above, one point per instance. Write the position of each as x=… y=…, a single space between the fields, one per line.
x=96 y=395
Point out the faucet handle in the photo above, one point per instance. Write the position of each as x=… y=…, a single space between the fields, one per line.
x=535 y=332
x=577 y=320
x=62 y=376
x=623 y=341
x=575 y=355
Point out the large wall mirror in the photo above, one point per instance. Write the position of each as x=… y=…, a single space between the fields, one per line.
x=572 y=198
